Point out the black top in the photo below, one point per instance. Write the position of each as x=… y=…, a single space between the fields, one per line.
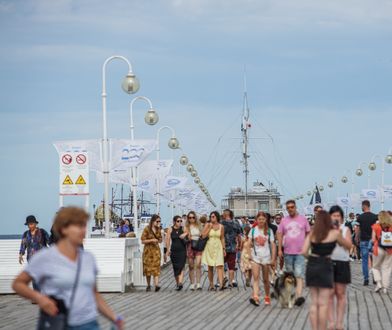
x=273 y=227
x=177 y=243
x=366 y=221
x=323 y=249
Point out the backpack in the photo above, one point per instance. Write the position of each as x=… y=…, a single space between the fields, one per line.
x=253 y=239
x=386 y=239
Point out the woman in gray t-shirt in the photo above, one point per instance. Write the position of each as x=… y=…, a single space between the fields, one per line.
x=55 y=270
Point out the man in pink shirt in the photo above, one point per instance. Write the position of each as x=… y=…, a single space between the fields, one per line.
x=292 y=232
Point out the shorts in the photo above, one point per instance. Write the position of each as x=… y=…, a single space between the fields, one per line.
x=295 y=263
x=191 y=253
x=261 y=260
x=341 y=271
x=230 y=260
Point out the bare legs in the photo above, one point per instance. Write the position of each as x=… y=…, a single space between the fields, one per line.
x=180 y=278
x=195 y=267
x=156 y=281
x=256 y=279
x=219 y=270
x=265 y=269
x=341 y=300
x=319 y=308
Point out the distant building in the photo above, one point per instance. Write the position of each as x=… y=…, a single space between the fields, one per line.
x=260 y=198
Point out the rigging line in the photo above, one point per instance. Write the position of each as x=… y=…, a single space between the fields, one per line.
x=226 y=130
x=229 y=170
x=230 y=160
x=278 y=152
x=263 y=161
x=218 y=169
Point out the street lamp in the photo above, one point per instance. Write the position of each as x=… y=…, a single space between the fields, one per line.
x=309 y=193
x=373 y=166
x=359 y=172
x=196 y=180
x=151 y=118
x=130 y=85
x=190 y=168
x=183 y=160
x=173 y=144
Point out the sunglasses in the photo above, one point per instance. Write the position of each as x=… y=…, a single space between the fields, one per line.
x=291 y=207
x=158 y=221
x=178 y=220
x=191 y=217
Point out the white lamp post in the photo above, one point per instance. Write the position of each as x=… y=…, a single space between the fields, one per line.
x=151 y=118
x=173 y=144
x=372 y=167
x=130 y=85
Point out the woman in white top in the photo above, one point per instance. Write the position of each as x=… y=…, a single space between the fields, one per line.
x=341 y=269
x=66 y=275
x=193 y=229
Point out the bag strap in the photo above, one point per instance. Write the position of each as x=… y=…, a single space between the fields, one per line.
x=253 y=240
x=75 y=283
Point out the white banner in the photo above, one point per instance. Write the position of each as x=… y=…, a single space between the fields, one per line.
x=387 y=190
x=127 y=153
x=372 y=195
x=149 y=169
x=173 y=183
x=343 y=201
x=74 y=173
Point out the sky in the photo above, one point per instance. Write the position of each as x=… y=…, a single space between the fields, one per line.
x=319 y=75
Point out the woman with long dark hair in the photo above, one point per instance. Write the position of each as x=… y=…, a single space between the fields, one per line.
x=193 y=229
x=151 y=238
x=263 y=253
x=341 y=270
x=319 y=271
x=214 y=251
x=66 y=274
x=176 y=249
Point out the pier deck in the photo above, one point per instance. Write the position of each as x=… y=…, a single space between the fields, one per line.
x=230 y=309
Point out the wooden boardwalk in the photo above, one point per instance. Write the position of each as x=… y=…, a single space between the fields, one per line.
x=229 y=309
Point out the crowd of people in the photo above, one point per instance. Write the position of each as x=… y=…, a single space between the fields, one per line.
x=283 y=253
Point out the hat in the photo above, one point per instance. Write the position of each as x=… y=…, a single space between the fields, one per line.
x=31 y=219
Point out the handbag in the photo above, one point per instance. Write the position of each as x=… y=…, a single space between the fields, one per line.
x=201 y=244
x=59 y=321
x=194 y=244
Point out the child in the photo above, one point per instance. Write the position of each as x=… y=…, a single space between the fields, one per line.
x=245 y=265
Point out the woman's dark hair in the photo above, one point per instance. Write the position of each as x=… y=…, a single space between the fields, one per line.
x=175 y=218
x=122 y=223
x=322 y=226
x=154 y=218
x=216 y=213
x=268 y=217
x=336 y=208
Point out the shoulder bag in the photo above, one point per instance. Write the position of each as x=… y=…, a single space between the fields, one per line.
x=59 y=321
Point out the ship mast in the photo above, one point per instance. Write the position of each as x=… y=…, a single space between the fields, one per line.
x=245 y=141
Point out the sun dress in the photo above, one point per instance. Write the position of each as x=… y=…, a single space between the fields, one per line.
x=213 y=252
x=151 y=253
x=245 y=263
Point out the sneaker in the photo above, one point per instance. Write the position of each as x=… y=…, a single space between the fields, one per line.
x=192 y=287
x=365 y=282
x=179 y=287
x=267 y=300
x=378 y=288
x=384 y=291
x=234 y=284
x=198 y=287
x=299 y=301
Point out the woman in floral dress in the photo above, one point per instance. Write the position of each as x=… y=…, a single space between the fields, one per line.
x=151 y=238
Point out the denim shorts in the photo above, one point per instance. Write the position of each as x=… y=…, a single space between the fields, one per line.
x=295 y=263
x=92 y=325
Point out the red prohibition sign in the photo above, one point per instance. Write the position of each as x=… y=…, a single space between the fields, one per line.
x=66 y=159
x=81 y=159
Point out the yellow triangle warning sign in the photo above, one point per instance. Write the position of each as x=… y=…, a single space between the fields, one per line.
x=80 y=180
x=67 y=180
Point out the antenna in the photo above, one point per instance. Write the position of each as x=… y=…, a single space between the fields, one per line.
x=245 y=140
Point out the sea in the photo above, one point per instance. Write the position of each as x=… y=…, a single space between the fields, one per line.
x=10 y=236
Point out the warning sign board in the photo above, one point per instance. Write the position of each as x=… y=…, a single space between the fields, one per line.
x=80 y=180
x=74 y=173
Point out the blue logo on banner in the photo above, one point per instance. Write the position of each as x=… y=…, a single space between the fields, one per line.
x=173 y=182
x=371 y=193
x=132 y=153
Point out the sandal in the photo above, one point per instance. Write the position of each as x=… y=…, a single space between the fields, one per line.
x=255 y=301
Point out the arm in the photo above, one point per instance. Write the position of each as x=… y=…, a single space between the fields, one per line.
x=106 y=311
x=280 y=244
x=223 y=239
x=374 y=238
x=21 y=287
x=168 y=241
x=206 y=230
x=305 y=249
x=343 y=242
